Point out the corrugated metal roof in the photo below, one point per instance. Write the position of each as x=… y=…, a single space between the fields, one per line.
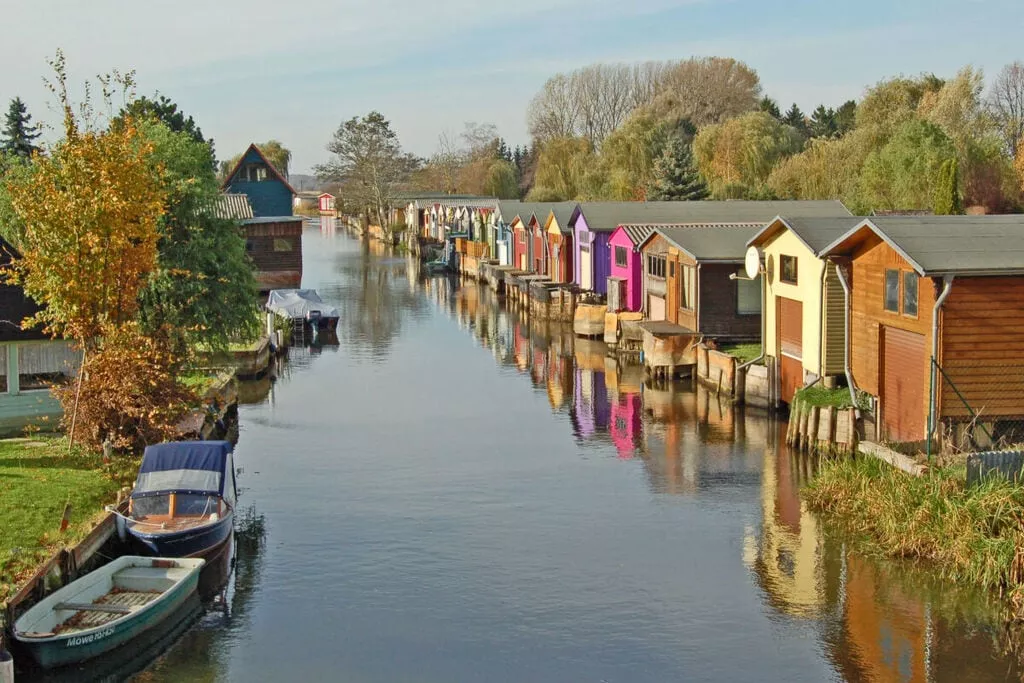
x=606 y=216
x=637 y=234
x=939 y=245
x=477 y=202
x=273 y=219
x=231 y=206
x=710 y=241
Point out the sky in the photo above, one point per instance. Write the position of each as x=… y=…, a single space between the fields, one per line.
x=253 y=70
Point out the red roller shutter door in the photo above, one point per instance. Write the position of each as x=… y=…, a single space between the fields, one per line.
x=791 y=347
x=903 y=390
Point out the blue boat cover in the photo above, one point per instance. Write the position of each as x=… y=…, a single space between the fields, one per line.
x=183 y=467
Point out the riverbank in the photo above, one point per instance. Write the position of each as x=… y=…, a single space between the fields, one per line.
x=38 y=477
x=972 y=534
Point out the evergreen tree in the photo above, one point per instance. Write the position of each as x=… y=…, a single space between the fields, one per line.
x=846 y=117
x=823 y=122
x=947 y=190
x=769 y=106
x=795 y=118
x=19 y=132
x=502 y=151
x=675 y=175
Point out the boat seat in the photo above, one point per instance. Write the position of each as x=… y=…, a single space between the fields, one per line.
x=143 y=573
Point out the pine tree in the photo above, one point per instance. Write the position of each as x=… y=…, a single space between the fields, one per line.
x=19 y=132
x=769 y=106
x=823 y=122
x=795 y=118
x=846 y=117
x=675 y=175
x=947 y=190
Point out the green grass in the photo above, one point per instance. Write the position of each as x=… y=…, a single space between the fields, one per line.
x=198 y=381
x=744 y=353
x=825 y=398
x=37 y=478
x=974 y=535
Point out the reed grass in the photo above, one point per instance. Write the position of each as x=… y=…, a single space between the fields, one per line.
x=973 y=535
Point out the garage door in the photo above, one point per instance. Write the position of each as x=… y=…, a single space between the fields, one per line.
x=903 y=390
x=655 y=307
x=791 y=347
x=586 y=278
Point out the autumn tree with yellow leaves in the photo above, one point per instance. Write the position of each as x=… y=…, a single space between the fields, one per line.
x=91 y=210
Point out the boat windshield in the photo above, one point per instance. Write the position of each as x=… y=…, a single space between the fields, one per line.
x=185 y=505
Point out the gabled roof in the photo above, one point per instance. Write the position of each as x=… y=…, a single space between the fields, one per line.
x=527 y=210
x=945 y=245
x=708 y=241
x=273 y=169
x=562 y=212
x=814 y=233
x=232 y=206
x=606 y=216
x=637 y=234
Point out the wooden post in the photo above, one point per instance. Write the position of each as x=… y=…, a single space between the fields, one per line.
x=65 y=520
x=833 y=418
x=811 y=440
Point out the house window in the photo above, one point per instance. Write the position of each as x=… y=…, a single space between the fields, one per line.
x=748 y=297
x=282 y=245
x=672 y=269
x=250 y=246
x=910 y=293
x=43 y=364
x=788 y=271
x=687 y=287
x=621 y=257
x=3 y=369
x=656 y=266
x=892 y=291
x=254 y=173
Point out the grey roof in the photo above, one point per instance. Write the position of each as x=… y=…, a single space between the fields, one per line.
x=563 y=214
x=606 y=216
x=815 y=233
x=231 y=206
x=940 y=245
x=273 y=219
x=539 y=209
x=711 y=241
x=473 y=202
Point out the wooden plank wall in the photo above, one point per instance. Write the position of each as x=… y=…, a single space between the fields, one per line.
x=983 y=347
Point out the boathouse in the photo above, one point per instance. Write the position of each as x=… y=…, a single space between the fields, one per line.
x=559 y=242
x=690 y=279
x=804 y=327
x=30 y=361
x=273 y=243
x=269 y=192
x=626 y=270
x=943 y=287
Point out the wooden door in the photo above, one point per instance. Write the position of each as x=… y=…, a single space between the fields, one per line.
x=791 y=347
x=903 y=384
x=655 y=307
x=585 y=272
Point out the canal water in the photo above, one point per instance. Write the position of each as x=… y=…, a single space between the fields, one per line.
x=451 y=494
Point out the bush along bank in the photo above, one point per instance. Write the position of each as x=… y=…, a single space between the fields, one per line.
x=968 y=534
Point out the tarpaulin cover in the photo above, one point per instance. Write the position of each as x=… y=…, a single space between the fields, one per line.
x=298 y=303
x=184 y=467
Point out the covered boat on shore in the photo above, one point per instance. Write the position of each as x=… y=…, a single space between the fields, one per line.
x=183 y=502
x=105 y=609
x=302 y=306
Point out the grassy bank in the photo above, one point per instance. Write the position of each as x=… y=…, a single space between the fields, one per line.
x=37 y=478
x=744 y=353
x=974 y=535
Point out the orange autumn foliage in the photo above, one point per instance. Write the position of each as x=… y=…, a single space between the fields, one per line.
x=91 y=211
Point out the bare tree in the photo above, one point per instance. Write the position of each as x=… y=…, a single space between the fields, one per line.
x=554 y=111
x=708 y=90
x=1006 y=102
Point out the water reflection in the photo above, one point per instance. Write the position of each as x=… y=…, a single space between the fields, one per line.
x=876 y=620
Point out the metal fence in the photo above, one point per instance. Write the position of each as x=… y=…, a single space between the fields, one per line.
x=976 y=405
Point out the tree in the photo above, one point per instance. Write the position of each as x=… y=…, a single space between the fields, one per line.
x=846 y=117
x=823 y=123
x=892 y=103
x=675 y=176
x=947 y=190
x=827 y=168
x=502 y=180
x=164 y=110
x=276 y=153
x=202 y=290
x=903 y=174
x=708 y=90
x=769 y=106
x=19 y=133
x=562 y=166
x=369 y=162
x=742 y=152
x=1006 y=102
x=796 y=119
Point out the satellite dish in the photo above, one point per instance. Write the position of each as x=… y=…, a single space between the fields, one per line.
x=753 y=263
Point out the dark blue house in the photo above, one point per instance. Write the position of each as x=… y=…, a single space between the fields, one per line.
x=269 y=192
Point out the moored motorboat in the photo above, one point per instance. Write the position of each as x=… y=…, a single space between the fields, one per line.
x=183 y=502
x=106 y=608
x=302 y=306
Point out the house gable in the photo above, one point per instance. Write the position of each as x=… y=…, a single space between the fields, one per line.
x=269 y=192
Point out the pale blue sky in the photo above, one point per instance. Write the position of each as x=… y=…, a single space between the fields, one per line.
x=254 y=69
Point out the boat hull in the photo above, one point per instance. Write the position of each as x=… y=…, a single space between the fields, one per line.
x=62 y=651
x=197 y=542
